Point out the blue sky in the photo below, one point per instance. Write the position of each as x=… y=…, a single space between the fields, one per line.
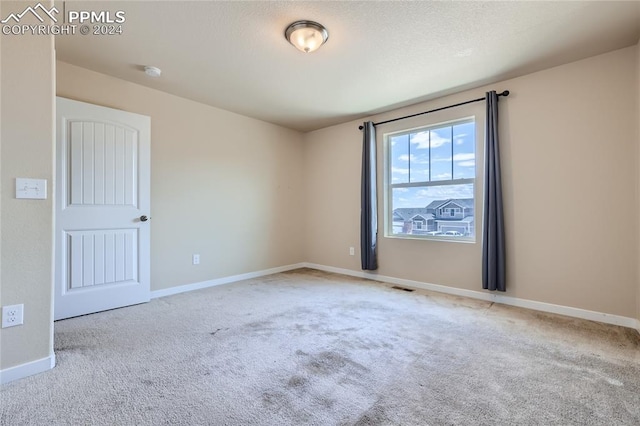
x=438 y=154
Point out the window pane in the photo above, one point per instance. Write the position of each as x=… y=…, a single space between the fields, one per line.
x=446 y=211
x=419 y=156
x=441 y=154
x=429 y=158
x=399 y=146
x=464 y=157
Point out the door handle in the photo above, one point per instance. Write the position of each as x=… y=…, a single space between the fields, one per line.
x=143 y=218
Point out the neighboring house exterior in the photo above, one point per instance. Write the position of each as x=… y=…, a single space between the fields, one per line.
x=439 y=216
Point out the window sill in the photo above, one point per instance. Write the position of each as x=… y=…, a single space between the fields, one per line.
x=463 y=240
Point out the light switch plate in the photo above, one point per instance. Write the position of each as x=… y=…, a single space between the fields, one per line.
x=35 y=189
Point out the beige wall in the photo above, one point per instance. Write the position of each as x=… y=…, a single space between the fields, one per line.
x=224 y=186
x=231 y=188
x=568 y=137
x=26 y=84
x=638 y=215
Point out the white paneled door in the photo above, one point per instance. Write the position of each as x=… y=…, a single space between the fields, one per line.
x=102 y=209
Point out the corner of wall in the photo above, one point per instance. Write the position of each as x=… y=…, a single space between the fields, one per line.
x=581 y=95
x=255 y=220
x=638 y=180
x=27 y=115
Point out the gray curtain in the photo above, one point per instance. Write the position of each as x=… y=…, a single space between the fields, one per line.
x=493 y=250
x=369 y=210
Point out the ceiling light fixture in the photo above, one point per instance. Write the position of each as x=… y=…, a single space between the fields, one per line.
x=152 y=71
x=306 y=36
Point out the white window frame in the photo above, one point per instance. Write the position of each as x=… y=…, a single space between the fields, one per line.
x=388 y=186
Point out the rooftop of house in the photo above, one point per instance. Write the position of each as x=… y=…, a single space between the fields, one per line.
x=466 y=203
x=408 y=213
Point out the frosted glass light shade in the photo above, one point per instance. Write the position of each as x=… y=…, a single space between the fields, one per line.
x=306 y=36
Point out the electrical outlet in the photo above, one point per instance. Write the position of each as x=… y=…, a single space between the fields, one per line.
x=352 y=251
x=12 y=315
x=196 y=259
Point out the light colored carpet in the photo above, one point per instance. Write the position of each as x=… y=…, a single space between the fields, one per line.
x=307 y=347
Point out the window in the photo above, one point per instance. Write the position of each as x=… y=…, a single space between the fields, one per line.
x=430 y=173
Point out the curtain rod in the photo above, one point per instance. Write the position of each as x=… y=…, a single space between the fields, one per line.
x=505 y=93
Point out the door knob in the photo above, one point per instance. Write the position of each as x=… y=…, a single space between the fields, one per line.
x=143 y=218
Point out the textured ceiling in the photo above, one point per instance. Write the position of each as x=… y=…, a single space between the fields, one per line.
x=380 y=55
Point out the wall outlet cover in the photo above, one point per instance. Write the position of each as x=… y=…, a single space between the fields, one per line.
x=12 y=315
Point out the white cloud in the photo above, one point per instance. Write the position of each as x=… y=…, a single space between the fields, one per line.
x=439 y=160
x=422 y=140
x=400 y=170
x=401 y=189
x=437 y=140
x=459 y=139
x=405 y=157
x=420 y=159
x=464 y=157
x=466 y=163
x=442 y=176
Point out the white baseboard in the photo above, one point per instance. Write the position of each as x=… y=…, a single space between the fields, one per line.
x=29 y=369
x=224 y=280
x=491 y=297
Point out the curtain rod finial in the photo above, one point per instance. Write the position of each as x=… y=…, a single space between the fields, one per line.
x=505 y=93
x=360 y=127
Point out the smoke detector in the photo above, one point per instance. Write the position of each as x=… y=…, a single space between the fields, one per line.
x=152 y=71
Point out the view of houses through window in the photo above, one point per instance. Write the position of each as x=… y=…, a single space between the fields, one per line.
x=431 y=178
